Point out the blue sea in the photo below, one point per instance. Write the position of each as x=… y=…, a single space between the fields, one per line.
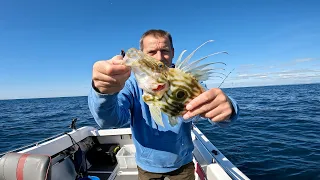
x=277 y=135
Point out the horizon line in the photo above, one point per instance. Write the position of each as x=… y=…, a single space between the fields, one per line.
x=235 y=87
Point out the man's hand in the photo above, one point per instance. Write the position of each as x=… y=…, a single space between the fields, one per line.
x=212 y=104
x=110 y=76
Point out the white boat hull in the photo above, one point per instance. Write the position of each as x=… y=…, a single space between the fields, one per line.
x=210 y=163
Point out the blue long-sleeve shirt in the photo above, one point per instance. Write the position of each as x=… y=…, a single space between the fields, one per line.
x=158 y=149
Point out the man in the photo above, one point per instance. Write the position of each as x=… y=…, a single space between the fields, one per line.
x=115 y=100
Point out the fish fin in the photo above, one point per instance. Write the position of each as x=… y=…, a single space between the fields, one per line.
x=180 y=57
x=192 y=68
x=194 y=63
x=207 y=77
x=202 y=66
x=199 y=73
x=147 y=98
x=131 y=56
x=173 y=120
x=185 y=61
x=156 y=114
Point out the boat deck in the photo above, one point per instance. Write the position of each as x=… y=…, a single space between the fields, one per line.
x=96 y=145
x=116 y=172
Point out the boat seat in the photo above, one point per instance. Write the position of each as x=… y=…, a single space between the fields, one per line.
x=20 y=166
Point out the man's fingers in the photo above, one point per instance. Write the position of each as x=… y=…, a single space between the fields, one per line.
x=120 y=67
x=117 y=60
x=202 y=108
x=107 y=90
x=222 y=112
x=110 y=75
x=116 y=69
x=213 y=113
x=121 y=78
x=203 y=98
x=115 y=80
x=103 y=84
x=220 y=117
x=111 y=67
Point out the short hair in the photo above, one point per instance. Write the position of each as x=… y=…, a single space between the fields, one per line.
x=156 y=33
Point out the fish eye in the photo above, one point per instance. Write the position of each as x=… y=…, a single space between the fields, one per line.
x=160 y=65
x=181 y=94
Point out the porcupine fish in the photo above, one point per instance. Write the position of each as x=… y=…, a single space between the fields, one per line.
x=166 y=89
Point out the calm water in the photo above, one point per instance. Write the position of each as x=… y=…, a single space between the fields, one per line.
x=276 y=137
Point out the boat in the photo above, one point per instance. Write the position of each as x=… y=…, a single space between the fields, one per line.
x=102 y=154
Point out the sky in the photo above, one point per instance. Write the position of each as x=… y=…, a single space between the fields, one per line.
x=48 y=48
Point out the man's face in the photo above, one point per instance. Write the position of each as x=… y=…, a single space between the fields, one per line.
x=159 y=48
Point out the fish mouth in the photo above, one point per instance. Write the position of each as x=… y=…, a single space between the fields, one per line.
x=159 y=87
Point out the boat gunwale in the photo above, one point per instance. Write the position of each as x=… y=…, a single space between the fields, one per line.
x=89 y=131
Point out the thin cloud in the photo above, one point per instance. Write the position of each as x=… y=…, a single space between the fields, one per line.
x=303 y=60
x=246 y=65
x=296 y=73
x=304 y=77
x=297 y=61
x=252 y=75
x=288 y=63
